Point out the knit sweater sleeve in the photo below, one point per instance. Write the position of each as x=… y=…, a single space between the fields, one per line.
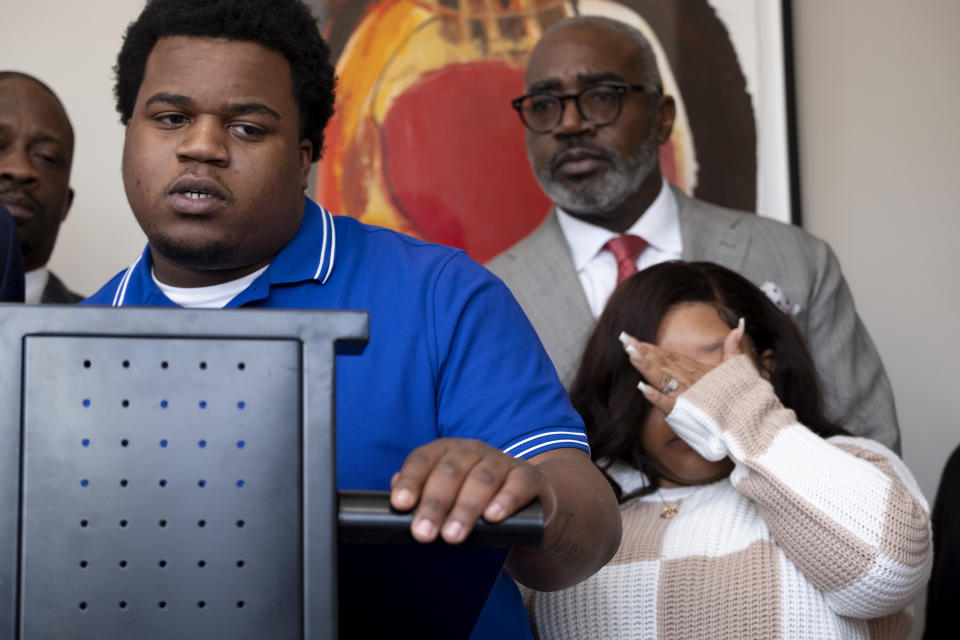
x=846 y=511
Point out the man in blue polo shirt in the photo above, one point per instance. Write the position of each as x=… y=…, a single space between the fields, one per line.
x=453 y=405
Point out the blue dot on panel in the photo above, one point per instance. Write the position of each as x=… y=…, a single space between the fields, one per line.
x=84 y=483
x=202 y=443
x=241 y=444
x=86 y=402
x=240 y=483
x=85 y=442
x=203 y=404
x=164 y=403
x=163 y=443
x=202 y=483
x=241 y=404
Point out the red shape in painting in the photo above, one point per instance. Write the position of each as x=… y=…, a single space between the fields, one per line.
x=471 y=188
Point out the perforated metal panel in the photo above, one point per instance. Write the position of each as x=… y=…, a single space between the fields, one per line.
x=161 y=488
x=171 y=474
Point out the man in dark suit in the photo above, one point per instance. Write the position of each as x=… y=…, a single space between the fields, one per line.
x=36 y=153
x=11 y=266
x=595 y=115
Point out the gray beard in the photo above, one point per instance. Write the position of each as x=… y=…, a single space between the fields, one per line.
x=616 y=185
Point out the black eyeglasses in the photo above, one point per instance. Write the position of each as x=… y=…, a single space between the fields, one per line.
x=599 y=104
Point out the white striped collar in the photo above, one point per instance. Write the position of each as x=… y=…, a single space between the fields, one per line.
x=310 y=255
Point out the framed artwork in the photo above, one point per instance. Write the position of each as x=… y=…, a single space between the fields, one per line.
x=424 y=139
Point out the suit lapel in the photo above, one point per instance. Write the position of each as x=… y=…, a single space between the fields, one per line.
x=57 y=293
x=548 y=287
x=561 y=284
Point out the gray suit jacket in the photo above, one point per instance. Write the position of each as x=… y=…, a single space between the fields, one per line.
x=541 y=274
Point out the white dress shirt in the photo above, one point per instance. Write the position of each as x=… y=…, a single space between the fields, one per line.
x=34 y=283
x=659 y=225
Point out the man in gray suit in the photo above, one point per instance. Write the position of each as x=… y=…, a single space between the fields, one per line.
x=595 y=116
x=36 y=154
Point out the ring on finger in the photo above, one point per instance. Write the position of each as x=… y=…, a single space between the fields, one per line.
x=673 y=385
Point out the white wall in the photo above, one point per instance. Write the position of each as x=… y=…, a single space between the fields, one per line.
x=878 y=102
x=878 y=99
x=72 y=46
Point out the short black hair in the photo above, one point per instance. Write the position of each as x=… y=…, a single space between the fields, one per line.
x=286 y=26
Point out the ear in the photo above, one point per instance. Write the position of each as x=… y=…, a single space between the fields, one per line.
x=305 y=153
x=67 y=202
x=666 y=114
x=768 y=364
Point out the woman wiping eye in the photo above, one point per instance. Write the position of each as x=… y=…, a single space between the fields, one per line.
x=746 y=512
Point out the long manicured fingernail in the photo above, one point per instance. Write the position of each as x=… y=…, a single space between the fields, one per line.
x=741 y=324
x=624 y=338
x=643 y=387
x=632 y=350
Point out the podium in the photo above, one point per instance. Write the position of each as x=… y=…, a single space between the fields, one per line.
x=170 y=473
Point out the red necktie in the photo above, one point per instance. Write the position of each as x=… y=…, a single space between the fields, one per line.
x=626 y=249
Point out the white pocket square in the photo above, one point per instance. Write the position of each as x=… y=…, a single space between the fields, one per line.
x=779 y=298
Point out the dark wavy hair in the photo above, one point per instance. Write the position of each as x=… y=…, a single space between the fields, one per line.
x=605 y=388
x=286 y=26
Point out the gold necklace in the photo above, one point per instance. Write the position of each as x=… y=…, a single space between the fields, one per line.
x=669 y=510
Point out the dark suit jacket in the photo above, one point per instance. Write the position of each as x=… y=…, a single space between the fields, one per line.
x=11 y=263
x=943 y=616
x=542 y=276
x=57 y=293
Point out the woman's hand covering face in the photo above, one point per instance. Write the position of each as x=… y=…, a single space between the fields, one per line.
x=659 y=365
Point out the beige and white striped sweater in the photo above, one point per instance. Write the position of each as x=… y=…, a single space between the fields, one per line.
x=807 y=538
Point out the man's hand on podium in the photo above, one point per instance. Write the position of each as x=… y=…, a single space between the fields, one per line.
x=452 y=482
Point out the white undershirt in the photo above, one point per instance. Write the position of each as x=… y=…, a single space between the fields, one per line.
x=34 y=283
x=659 y=225
x=213 y=297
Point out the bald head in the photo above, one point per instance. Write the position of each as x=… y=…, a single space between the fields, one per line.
x=600 y=160
x=36 y=154
x=25 y=77
x=640 y=50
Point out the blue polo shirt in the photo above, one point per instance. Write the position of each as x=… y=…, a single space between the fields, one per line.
x=451 y=355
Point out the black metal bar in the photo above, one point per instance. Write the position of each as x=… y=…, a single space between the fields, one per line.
x=367 y=517
x=790 y=90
